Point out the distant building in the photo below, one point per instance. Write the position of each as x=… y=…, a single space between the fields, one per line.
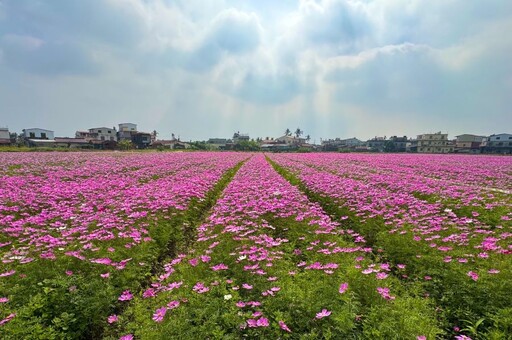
x=126 y=131
x=127 y=127
x=434 y=143
x=217 y=141
x=83 y=135
x=376 y=144
x=5 y=136
x=103 y=134
x=239 y=137
x=36 y=133
x=72 y=143
x=411 y=145
x=338 y=144
x=468 y=143
x=290 y=140
x=500 y=143
x=396 y=144
x=170 y=144
x=141 y=140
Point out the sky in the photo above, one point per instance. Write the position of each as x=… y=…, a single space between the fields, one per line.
x=201 y=69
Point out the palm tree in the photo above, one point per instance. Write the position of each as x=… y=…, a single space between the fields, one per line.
x=298 y=132
x=287 y=132
x=308 y=138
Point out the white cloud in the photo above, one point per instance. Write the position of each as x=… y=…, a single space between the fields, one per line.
x=324 y=63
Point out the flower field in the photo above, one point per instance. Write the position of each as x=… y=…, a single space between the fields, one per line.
x=237 y=245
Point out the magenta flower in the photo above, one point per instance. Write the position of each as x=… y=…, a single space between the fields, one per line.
x=284 y=327
x=126 y=337
x=323 y=313
x=200 y=288
x=384 y=292
x=7 y=319
x=125 y=296
x=421 y=337
x=158 y=316
x=112 y=318
x=343 y=287
x=4 y=300
x=173 y=304
x=150 y=292
x=261 y=322
x=220 y=266
x=9 y=273
x=473 y=275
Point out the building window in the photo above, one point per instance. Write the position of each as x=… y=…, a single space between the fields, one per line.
x=32 y=134
x=109 y=131
x=99 y=131
x=498 y=138
x=43 y=135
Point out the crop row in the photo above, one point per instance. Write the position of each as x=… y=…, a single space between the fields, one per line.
x=76 y=230
x=462 y=262
x=269 y=263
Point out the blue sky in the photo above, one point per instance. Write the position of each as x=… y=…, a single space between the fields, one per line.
x=199 y=69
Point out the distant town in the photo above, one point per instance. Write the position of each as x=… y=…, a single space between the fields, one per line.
x=126 y=136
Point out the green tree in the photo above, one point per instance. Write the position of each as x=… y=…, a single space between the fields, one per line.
x=125 y=145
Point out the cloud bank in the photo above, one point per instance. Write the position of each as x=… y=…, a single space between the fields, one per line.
x=336 y=68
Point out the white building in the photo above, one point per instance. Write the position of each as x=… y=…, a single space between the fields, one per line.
x=5 y=136
x=499 y=143
x=434 y=143
x=291 y=140
x=123 y=127
x=36 y=133
x=4 y=133
x=103 y=133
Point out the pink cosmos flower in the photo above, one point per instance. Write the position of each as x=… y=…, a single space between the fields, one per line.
x=9 y=273
x=173 y=304
x=343 y=287
x=106 y=275
x=473 y=275
x=246 y=286
x=493 y=271
x=150 y=292
x=126 y=337
x=159 y=314
x=200 y=288
x=126 y=296
x=421 y=337
x=261 y=322
x=323 y=313
x=220 y=266
x=112 y=318
x=7 y=319
x=381 y=276
x=384 y=292
x=284 y=327
x=4 y=300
